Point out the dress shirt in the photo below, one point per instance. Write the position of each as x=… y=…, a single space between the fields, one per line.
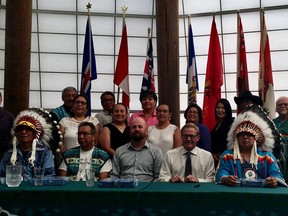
x=143 y=164
x=149 y=122
x=104 y=117
x=174 y=164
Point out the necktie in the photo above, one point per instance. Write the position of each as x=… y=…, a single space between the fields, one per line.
x=188 y=165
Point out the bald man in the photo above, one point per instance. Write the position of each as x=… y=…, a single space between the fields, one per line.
x=138 y=158
x=281 y=121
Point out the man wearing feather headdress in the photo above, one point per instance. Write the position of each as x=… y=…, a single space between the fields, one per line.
x=249 y=154
x=32 y=134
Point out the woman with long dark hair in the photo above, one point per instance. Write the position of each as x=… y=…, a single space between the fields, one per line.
x=223 y=114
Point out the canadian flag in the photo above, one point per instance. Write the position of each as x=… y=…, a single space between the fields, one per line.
x=266 y=88
x=121 y=76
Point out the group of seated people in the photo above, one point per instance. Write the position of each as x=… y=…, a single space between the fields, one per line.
x=147 y=146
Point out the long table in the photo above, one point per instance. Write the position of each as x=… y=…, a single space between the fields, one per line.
x=147 y=199
x=211 y=199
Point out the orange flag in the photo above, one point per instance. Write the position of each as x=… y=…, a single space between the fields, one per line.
x=266 y=88
x=214 y=78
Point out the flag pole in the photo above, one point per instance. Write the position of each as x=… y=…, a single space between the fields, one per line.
x=188 y=56
x=148 y=30
x=89 y=6
x=187 y=50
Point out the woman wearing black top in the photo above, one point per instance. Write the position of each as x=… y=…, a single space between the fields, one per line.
x=223 y=114
x=117 y=133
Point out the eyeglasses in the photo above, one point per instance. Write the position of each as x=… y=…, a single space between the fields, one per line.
x=162 y=111
x=191 y=136
x=282 y=104
x=80 y=102
x=24 y=128
x=107 y=100
x=247 y=134
x=85 y=134
x=193 y=112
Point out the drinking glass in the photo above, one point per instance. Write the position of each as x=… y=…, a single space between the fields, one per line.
x=90 y=177
x=13 y=175
x=38 y=176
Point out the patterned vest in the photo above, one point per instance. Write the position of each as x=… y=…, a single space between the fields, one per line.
x=72 y=160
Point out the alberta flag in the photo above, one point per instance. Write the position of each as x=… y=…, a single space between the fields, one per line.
x=88 y=65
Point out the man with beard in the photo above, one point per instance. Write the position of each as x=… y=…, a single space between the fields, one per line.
x=138 y=158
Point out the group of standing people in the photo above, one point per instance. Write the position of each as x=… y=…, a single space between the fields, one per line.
x=146 y=145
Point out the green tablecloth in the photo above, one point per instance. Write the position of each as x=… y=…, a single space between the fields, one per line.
x=148 y=199
x=73 y=198
x=211 y=199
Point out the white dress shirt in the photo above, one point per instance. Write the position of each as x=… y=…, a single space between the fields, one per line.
x=174 y=164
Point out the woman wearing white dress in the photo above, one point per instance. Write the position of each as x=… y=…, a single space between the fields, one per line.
x=69 y=125
x=164 y=134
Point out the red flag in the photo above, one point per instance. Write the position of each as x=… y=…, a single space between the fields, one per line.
x=242 y=82
x=214 y=78
x=121 y=76
x=148 y=76
x=266 y=88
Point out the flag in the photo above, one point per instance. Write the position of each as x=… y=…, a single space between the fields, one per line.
x=148 y=76
x=89 y=72
x=191 y=76
x=266 y=89
x=214 y=78
x=121 y=76
x=242 y=82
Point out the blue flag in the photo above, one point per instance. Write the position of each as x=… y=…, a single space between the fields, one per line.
x=191 y=77
x=89 y=72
